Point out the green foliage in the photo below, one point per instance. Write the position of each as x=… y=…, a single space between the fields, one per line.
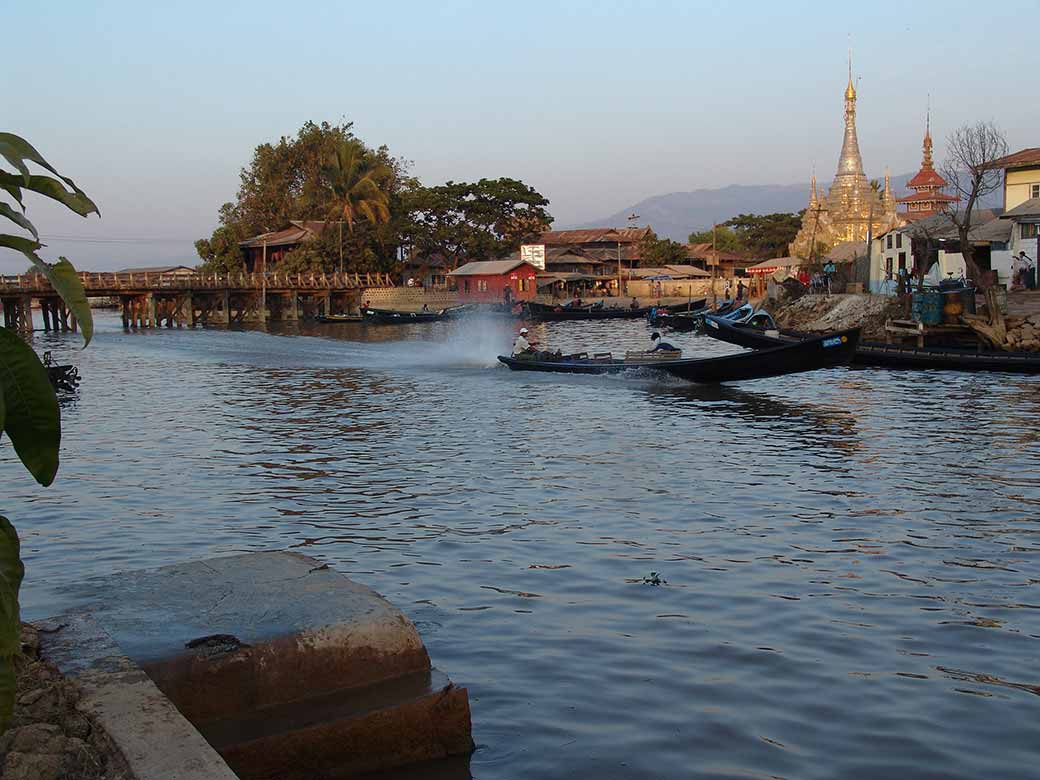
x=654 y=251
x=28 y=408
x=359 y=181
x=725 y=239
x=323 y=173
x=766 y=235
x=32 y=421
x=479 y=221
x=18 y=152
x=220 y=253
x=11 y=573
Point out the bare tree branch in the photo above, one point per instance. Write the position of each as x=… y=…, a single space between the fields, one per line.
x=970 y=150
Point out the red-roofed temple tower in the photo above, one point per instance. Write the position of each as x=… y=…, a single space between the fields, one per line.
x=928 y=197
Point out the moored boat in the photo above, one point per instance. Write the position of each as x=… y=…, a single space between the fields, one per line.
x=873 y=353
x=547 y=313
x=807 y=355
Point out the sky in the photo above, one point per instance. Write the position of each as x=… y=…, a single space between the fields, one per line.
x=154 y=109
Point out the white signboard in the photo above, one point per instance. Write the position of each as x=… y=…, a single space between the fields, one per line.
x=533 y=254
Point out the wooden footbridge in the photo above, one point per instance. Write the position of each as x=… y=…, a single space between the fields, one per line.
x=153 y=299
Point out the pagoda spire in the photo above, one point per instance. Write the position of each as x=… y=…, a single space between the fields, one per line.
x=926 y=163
x=850 y=163
x=814 y=198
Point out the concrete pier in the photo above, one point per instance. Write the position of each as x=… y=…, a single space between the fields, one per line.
x=287 y=668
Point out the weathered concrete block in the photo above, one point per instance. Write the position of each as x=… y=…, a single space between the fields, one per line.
x=284 y=664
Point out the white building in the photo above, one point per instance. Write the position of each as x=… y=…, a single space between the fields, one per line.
x=932 y=241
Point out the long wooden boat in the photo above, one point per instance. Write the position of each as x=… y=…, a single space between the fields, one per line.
x=545 y=313
x=392 y=317
x=807 y=355
x=873 y=353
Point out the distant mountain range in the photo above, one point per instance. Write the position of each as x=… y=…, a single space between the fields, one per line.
x=678 y=214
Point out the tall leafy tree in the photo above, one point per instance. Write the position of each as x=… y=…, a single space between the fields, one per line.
x=766 y=235
x=725 y=239
x=28 y=407
x=474 y=221
x=324 y=172
x=654 y=251
x=359 y=183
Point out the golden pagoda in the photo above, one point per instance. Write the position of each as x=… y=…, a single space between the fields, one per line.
x=851 y=208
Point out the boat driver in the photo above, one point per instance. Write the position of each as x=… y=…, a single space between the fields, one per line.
x=521 y=346
x=659 y=345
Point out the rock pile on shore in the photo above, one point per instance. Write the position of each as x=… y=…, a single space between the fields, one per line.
x=49 y=738
x=1023 y=333
x=825 y=313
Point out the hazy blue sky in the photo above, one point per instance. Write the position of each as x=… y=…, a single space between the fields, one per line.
x=154 y=109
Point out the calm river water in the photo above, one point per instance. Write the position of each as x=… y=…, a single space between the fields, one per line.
x=851 y=557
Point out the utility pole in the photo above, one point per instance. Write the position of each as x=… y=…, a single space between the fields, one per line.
x=341 y=246
x=714 y=267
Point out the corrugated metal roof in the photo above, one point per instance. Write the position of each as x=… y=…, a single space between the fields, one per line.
x=490 y=267
x=296 y=232
x=593 y=236
x=158 y=269
x=1031 y=208
x=1020 y=159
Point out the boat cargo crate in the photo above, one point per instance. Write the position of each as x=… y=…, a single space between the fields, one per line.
x=927 y=308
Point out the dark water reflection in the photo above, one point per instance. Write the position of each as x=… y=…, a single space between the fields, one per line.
x=850 y=556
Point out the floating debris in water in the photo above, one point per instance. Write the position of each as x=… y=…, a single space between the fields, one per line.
x=654 y=579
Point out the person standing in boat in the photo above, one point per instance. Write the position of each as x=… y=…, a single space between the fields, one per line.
x=659 y=345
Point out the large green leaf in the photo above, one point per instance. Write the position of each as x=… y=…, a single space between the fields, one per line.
x=7 y=691
x=16 y=150
x=75 y=199
x=18 y=219
x=14 y=192
x=63 y=279
x=11 y=573
x=32 y=421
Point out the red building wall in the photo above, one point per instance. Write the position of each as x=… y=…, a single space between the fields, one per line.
x=490 y=288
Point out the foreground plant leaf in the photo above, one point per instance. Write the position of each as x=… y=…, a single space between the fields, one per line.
x=63 y=279
x=18 y=219
x=75 y=199
x=32 y=420
x=11 y=573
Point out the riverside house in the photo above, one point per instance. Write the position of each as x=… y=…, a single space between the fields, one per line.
x=486 y=281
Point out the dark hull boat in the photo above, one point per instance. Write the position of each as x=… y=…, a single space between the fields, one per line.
x=808 y=355
x=334 y=318
x=544 y=313
x=872 y=353
x=392 y=317
x=63 y=378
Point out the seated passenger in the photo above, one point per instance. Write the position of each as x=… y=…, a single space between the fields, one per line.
x=659 y=345
x=521 y=346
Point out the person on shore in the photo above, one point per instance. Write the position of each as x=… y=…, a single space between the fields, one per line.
x=741 y=290
x=1026 y=272
x=635 y=304
x=426 y=307
x=522 y=346
x=829 y=270
x=659 y=345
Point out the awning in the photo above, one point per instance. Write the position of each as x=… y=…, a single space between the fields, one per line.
x=774 y=265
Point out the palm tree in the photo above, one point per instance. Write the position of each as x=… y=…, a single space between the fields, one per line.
x=358 y=180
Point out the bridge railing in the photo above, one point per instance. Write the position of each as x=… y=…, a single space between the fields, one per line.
x=146 y=281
